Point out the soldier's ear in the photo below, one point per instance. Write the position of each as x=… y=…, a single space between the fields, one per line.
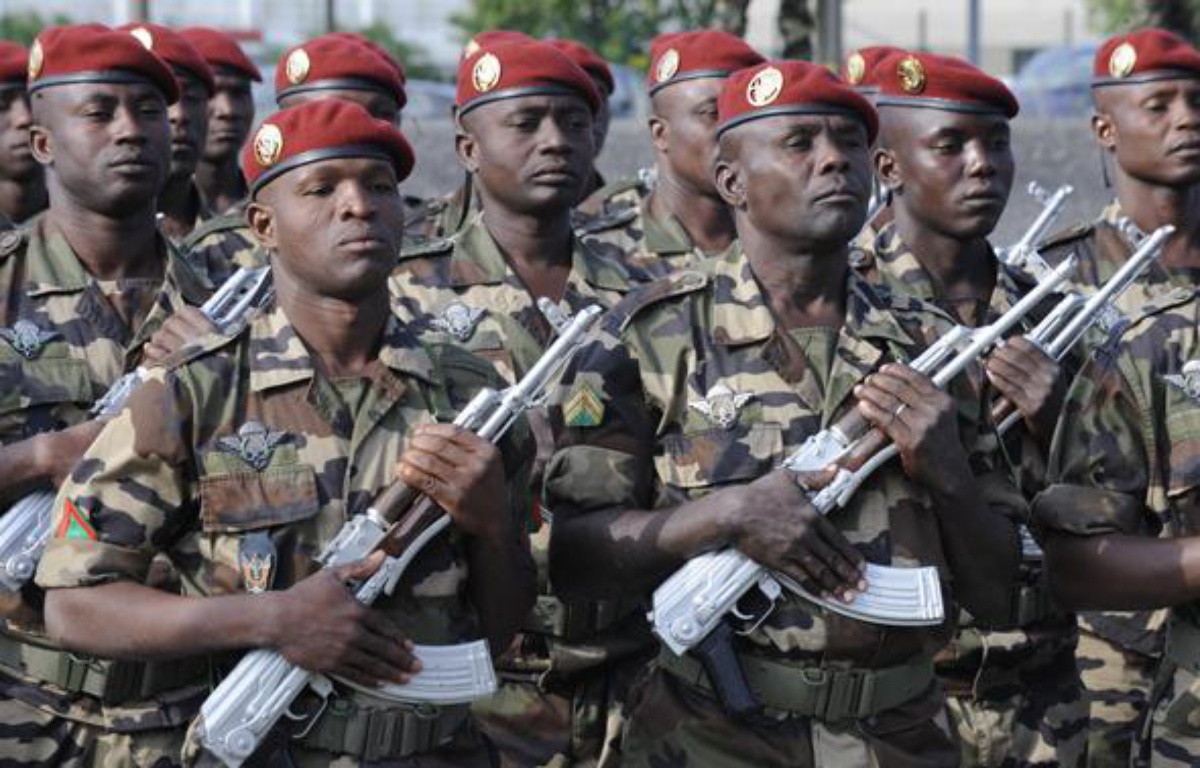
x=261 y=219
x=40 y=144
x=887 y=170
x=658 y=134
x=730 y=185
x=467 y=148
x=1104 y=129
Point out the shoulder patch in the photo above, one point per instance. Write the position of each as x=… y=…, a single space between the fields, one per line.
x=11 y=241
x=679 y=284
x=432 y=247
x=1067 y=236
x=206 y=344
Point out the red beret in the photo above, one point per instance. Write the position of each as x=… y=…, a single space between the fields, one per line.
x=491 y=37
x=14 y=64
x=171 y=47
x=336 y=62
x=387 y=56
x=94 y=53
x=941 y=82
x=515 y=68
x=789 y=88
x=860 y=66
x=588 y=60
x=1143 y=56
x=221 y=50
x=679 y=56
x=323 y=129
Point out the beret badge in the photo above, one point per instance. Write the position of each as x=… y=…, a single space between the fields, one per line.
x=486 y=73
x=912 y=74
x=856 y=68
x=143 y=36
x=668 y=65
x=1122 y=60
x=765 y=87
x=268 y=145
x=297 y=66
x=36 y=59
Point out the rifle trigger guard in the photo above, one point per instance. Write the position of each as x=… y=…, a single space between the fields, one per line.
x=323 y=688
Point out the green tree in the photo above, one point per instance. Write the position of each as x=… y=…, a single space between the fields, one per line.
x=414 y=57
x=1179 y=16
x=23 y=27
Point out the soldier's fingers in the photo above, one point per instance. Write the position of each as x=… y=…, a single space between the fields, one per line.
x=895 y=386
x=195 y=320
x=848 y=555
x=374 y=669
x=388 y=650
x=418 y=478
x=439 y=464
x=360 y=570
x=826 y=566
x=917 y=382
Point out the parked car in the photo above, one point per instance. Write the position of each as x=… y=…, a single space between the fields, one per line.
x=1056 y=82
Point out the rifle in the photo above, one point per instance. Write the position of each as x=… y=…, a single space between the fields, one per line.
x=1022 y=255
x=689 y=608
x=25 y=528
x=238 y=715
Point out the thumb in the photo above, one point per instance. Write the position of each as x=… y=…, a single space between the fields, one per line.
x=360 y=570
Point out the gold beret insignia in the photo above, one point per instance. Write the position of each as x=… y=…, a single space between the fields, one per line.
x=1122 y=60
x=297 y=66
x=143 y=36
x=856 y=68
x=486 y=73
x=765 y=87
x=268 y=145
x=912 y=74
x=36 y=59
x=668 y=65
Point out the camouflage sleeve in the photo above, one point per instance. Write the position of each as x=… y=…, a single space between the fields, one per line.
x=605 y=433
x=130 y=496
x=1099 y=459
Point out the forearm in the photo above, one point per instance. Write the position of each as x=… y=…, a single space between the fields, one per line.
x=125 y=620
x=503 y=586
x=1120 y=572
x=21 y=466
x=981 y=545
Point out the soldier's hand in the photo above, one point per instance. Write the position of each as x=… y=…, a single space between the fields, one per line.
x=463 y=473
x=57 y=453
x=774 y=525
x=920 y=419
x=1029 y=379
x=177 y=331
x=319 y=626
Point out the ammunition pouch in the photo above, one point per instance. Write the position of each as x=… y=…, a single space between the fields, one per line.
x=348 y=728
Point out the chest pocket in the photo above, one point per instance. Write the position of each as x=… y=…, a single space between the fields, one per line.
x=237 y=502
x=50 y=378
x=1183 y=464
x=716 y=456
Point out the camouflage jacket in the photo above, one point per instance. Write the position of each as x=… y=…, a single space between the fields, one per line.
x=692 y=387
x=204 y=213
x=241 y=462
x=463 y=290
x=64 y=343
x=1124 y=454
x=655 y=246
x=221 y=245
x=888 y=261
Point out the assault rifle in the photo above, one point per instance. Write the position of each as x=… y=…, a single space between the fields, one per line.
x=25 y=528
x=238 y=715
x=690 y=607
x=1022 y=255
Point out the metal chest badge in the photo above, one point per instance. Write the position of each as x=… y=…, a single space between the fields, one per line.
x=27 y=339
x=722 y=405
x=459 y=320
x=253 y=444
x=256 y=562
x=1187 y=380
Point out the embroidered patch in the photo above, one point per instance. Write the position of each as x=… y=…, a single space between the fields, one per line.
x=75 y=524
x=27 y=339
x=459 y=320
x=253 y=444
x=584 y=408
x=722 y=405
x=1187 y=380
x=256 y=561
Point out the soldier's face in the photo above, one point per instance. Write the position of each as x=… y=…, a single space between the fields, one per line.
x=189 y=125
x=950 y=172
x=380 y=105
x=684 y=131
x=799 y=178
x=602 y=119
x=531 y=154
x=106 y=145
x=230 y=115
x=334 y=225
x=16 y=156
x=1153 y=129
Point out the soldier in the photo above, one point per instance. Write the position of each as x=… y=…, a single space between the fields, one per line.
x=242 y=459
x=682 y=219
x=860 y=71
x=81 y=290
x=597 y=68
x=22 y=183
x=945 y=158
x=676 y=418
x=331 y=66
x=230 y=117
x=525 y=136
x=180 y=203
x=1146 y=92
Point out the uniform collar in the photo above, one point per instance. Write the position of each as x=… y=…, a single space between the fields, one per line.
x=278 y=357
x=665 y=235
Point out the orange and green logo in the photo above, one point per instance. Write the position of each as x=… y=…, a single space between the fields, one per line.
x=75 y=524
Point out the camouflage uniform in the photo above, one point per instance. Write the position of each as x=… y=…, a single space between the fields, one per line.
x=655 y=246
x=245 y=454
x=1124 y=462
x=219 y=246
x=555 y=706
x=68 y=337
x=1013 y=691
x=203 y=214
x=1118 y=650
x=636 y=436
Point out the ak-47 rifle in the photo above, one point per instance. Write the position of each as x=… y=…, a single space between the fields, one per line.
x=238 y=715
x=1023 y=255
x=690 y=608
x=25 y=528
